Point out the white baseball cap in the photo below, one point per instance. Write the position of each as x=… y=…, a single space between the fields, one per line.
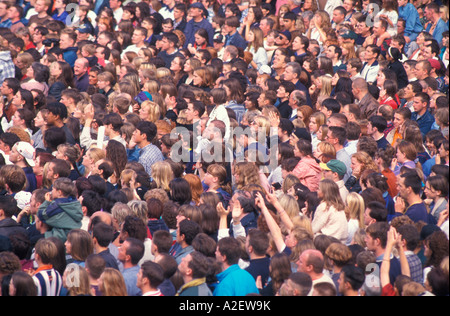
x=27 y=151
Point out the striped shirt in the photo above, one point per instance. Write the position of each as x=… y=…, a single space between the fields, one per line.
x=48 y=281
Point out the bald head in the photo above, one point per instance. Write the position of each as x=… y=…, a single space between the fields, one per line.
x=360 y=84
x=100 y=216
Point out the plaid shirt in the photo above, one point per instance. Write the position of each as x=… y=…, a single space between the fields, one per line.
x=415 y=267
x=7 y=68
x=148 y=156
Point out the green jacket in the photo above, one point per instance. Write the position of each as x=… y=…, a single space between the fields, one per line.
x=62 y=215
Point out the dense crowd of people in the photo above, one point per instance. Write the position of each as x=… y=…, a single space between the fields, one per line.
x=224 y=148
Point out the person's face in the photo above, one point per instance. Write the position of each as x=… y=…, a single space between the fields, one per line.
x=187 y=66
x=442 y=152
x=330 y=52
x=122 y=255
x=426 y=52
x=137 y=136
x=380 y=79
x=17 y=100
x=190 y=114
x=398 y=120
x=65 y=41
x=408 y=92
x=39 y=120
x=40 y=6
x=14 y=155
x=55 y=70
x=177 y=14
x=281 y=93
x=281 y=40
x=93 y=78
x=401 y=158
x=418 y=105
x=183 y=267
x=356 y=167
x=264 y=26
x=197 y=80
x=370 y=242
x=301 y=263
x=402 y=189
x=137 y=37
x=175 y=65
x=79 y=68
x=338 y=17
x=429 y=191
x=288 y=74
x=101 y=40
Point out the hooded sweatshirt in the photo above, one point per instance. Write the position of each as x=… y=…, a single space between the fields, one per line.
x=308 y=172
x=62 y=215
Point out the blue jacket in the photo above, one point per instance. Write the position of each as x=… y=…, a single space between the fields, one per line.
x=441 y=27
x=70 y=55
x=192 y=27
x=411 y=16
x=236 y=40
x=425 y=121
x=235 y=282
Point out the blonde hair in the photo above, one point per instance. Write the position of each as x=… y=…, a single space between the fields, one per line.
x=327 y=86
x=355 y=208
x=263 y=123
x=154 y=112
x=327 y=150
x=367 y=162
x=113 y=283
x=126 y=176
x=331 y=195
x=290 y=205
x=82 y=277
x=162 y=174
x=248 y=173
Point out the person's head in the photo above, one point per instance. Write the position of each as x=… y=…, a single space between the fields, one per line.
x=145 y=132
x=409 y=184
x=22 y=284
x=151 y=275
x=194 y=266
x=131 y=251
x=311 y=262
x=187 y=230
x=228 y=251
x=79 y=244
x=298 y=284
x=351 y=279
x=376 y=236
x=45 y=251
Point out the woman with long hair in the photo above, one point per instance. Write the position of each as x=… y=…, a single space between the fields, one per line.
x=307 y=170
x=38 y=76
x=202 y=79
x=320 y=26
x=61 y=78
x=162 y=175
x=149 y=111
x=360 y=161
x=72 y=154
x=79 y=246
x=196 y=186
x=325 y=152
x=215 y=178
x=22 y=284
x=90 y=158
x=24 y=119
x=177 y=68
x=23 y=99
x=256 y=47
x=329 y=218
x=405 y=157
x=111 y=282
x=354 y=210
x=117 y=154
x=388 y=94
x=280 y=270
x=190 y=66
x=316 y=120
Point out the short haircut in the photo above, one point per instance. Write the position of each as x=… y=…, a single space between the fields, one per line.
x=354 y=276
x=153 y=272
x=163 y=240
x=135 y=250
x=412 y=180
x=259 y=241
x=339 y=132
x=147 y=128
x=189 y=229
x=378 y=122
x=104 y=234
